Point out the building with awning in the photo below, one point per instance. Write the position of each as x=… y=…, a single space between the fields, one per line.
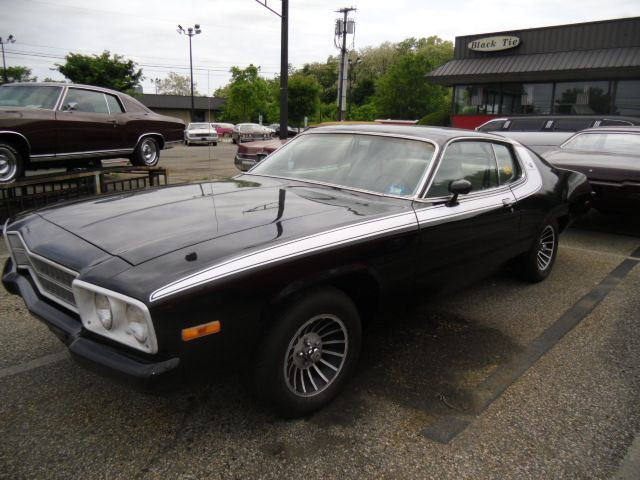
x=579 y=69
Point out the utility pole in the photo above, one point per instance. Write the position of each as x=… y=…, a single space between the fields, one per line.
x=342 y=28
x=284 y=64
x=10 y=39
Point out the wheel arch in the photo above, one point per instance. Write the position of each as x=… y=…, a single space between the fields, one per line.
x=355 y=281
x=156 y=136
x=19 y=141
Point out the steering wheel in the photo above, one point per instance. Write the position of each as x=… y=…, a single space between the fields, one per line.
x=393 y=184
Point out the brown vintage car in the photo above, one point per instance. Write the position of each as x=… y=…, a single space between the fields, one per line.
x=44 y=125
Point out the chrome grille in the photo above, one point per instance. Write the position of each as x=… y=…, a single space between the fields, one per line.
x=53 y=280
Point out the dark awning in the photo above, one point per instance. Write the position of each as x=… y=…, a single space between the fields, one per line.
x=606 y=63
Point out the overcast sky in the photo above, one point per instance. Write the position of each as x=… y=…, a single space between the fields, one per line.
x=240 y=32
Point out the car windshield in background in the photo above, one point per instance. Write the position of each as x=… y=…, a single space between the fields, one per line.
x=605 y=142
x=194 y=126
x=29 y=96
x=379 y=164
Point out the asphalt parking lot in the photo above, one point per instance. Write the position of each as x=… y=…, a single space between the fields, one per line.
x=499 y=380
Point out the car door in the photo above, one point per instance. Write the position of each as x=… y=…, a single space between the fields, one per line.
x=85 y=123
x=480 y=231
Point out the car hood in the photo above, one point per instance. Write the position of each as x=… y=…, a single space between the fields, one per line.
x=261 y=146
x=597 y=166
x=247 y=212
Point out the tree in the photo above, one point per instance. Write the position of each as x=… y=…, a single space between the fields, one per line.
x=176 y=84
x=101 y=70
x=403 y=92
x=304 y=97
x=249 y=96
x=20 y=74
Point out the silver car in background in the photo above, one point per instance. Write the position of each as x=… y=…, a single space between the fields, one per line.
x=201 y=133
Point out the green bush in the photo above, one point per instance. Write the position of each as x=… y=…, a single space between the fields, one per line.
x=440 y=118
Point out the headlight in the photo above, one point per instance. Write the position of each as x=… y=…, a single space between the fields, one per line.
x=136 y=324
x=103 y=311
x=115 y=316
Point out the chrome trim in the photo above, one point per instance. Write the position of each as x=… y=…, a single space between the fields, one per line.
x=92 y=153
x=11 y=132
x=35 y=275
x=146 y=134
x=438 y=161
x=82 y=290
x=415 y=196
x=6 y=241
x=294 y=248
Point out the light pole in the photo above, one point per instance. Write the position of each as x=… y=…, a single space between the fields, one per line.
x=10 y=39
x=191 y=32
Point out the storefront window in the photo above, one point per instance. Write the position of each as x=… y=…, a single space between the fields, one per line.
x=477 y=100
x=582 y=98
x=627 y=101
x=536 y=98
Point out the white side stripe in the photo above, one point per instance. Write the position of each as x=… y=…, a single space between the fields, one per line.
x=312 y=243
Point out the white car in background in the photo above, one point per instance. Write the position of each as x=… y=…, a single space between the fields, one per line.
x=200 y=133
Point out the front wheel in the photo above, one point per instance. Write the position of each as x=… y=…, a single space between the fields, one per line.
x=309 y=352
x=147 y=153
x=11 y=164
x=536 y=264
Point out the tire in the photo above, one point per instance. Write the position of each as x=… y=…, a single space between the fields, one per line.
x=536 y=265
x=309 y=352
x=11 y=163
x=147 y=153
x=215 y=144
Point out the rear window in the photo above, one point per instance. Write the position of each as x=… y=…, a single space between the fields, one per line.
x=492 y=126
x=526 y=125
x=628 y=143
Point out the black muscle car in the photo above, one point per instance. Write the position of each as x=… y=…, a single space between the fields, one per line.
x=44 y=125
x=283 y=264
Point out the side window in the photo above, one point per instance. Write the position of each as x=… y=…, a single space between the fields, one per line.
x=87 y=101
x=472 y=161
x=492 y=126
x=114 y=105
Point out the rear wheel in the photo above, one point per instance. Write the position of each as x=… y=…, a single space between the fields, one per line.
x=308 y=353
x=11 y=163
x=536 y=264
x=147 y=153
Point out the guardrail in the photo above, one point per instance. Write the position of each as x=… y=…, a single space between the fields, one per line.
x=42 y=190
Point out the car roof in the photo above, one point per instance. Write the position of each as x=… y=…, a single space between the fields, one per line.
x=439 y=135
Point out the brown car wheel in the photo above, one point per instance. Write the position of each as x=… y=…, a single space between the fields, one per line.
x=147 y=153
x=11 y=164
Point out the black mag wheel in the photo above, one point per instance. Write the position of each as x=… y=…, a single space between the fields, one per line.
x=536 y=265
x=11 y=165
x=309 y=351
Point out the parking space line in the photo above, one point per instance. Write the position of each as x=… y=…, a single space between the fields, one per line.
x=446 y=428
x=36 y=363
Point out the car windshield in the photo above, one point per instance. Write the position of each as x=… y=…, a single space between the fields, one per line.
x=29 y=96
x=379 y=164
x=605 y=142
x=194 y=126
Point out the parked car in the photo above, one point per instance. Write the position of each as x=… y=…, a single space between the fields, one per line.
x=223 y=129
x=44 y=125
x=200 y=134
x=249 y=132
x=279 y=268
x=253 y=152
x=610 y=158
x=543 y=133
x=291 y=131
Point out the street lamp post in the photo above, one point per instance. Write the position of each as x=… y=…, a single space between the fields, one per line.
x=190 y=32
x=10 y=39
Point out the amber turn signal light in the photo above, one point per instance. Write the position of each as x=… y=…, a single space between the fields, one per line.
x=201 y=330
